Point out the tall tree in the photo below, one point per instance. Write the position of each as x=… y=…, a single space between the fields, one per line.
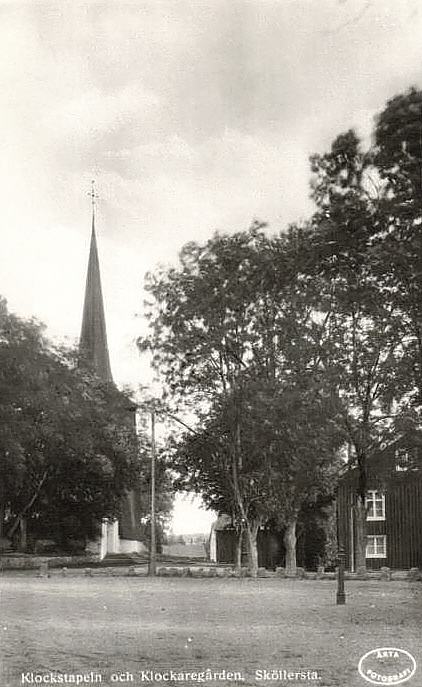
x=68 y=448
x=234 y=314
x=398 y=252
x=365 y=352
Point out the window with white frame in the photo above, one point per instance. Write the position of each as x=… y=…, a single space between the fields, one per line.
x=376 y=546
x=375 y=505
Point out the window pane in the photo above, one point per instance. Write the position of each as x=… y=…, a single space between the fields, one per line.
x=370 y=547
x=375 y=503
x=380 y=545
x=376 y=546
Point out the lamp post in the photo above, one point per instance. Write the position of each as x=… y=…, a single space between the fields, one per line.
x=341 y=596
x=152 y=568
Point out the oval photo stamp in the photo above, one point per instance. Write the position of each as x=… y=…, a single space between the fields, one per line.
x=387 y=666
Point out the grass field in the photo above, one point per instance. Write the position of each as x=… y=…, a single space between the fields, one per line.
x=119 y=626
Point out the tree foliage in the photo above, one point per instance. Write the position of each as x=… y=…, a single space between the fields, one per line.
x=233 y=326
x=286 y=448
x=398 y=155
x=69 y=450
x=364 y=349
x=366 y=242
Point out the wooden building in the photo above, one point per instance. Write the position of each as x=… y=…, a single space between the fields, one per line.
x=394 y=509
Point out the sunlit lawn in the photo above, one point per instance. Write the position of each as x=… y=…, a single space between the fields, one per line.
x=114 y=624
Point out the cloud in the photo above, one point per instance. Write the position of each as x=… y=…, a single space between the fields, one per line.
x=94 y=112
x=222 y=183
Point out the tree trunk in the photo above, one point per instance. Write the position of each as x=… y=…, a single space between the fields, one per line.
x=22 y=535
x=29 y=505
x=290 y=545
x=360 y=532
x=2 y=511
x=252 y=538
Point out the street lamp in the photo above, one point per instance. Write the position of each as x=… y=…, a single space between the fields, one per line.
x=341 y=596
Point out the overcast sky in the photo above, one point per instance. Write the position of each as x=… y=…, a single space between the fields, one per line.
x=191 y=117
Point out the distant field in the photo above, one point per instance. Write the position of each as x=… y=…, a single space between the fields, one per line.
x=186 y=550
x=119 y=626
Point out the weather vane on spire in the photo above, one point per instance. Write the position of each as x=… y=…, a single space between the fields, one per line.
x=93 y=195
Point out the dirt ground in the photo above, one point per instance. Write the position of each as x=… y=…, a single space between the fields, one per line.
x=121 y=627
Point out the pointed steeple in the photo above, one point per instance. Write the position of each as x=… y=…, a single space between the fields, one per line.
x=93 y=340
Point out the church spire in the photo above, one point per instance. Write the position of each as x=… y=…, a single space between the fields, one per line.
x=93 y=340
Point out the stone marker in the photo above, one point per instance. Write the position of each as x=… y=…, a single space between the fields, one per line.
x=362 y=573
x=43 y=571
x=385 y=573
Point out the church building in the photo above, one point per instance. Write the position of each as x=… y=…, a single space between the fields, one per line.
x=123 y=535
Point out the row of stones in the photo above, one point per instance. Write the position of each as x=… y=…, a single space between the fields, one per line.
x=362 y=574
x=180 y=571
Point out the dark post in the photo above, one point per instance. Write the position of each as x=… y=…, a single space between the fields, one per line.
x=341 y=596
x=153 y=547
